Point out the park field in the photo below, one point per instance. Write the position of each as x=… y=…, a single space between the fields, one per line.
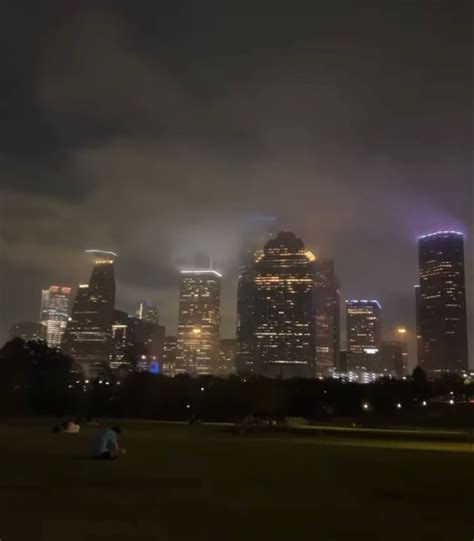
x=180 y=482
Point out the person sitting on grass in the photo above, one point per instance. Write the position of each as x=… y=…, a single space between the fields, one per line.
x=73 y=427
x=68 y=427
x=105 y=445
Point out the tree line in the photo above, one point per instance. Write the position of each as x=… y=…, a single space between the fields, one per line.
x=38 y=380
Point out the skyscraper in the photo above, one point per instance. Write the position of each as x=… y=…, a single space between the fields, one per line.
x=418 y=329
x=442 y=303
x=135 y=337
x=363 y=334
x=148 y=311
x=327 y=318
x=120 y=343
x=245 y=353
x=54 y=313
x=198 y=322
x=226 y=363
x=169 y=355
x=391 y=358
x=257 y=231
x=403 y=367
x=28 y=331
x=88 y=336
x=283 y=322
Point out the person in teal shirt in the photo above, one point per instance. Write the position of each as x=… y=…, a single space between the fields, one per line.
x=105 y=445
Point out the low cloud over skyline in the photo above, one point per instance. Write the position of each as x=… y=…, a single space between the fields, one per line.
x=157 y=135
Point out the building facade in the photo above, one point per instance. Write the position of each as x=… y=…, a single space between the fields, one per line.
x=284 y=296
x=391 y=359
x=363 y=334
x=28 y=331
x=88 y=335
x=442 y=303
x=246 y=293
x=257 y=232
x=170 y=350
x=148 y=311
x=326 y=318
x=135 y=343
x=418 y=329
x=226 y=362
x=198 y=322
x=54 y=313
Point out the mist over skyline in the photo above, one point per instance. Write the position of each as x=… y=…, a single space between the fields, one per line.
x=162 y=135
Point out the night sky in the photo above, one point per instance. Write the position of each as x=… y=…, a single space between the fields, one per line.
x=159 y=133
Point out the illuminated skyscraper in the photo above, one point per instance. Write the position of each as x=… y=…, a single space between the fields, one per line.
x=169 y=355
x=88 y=336
x=54 y=313
x=148 y=311
x=284 y=323
x=258 y=230
x=442 y=303
x=327 y=318
x=363 y=334
x=120 y=343
x=198 y=322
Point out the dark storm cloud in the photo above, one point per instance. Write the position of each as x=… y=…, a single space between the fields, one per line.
x=153 y=134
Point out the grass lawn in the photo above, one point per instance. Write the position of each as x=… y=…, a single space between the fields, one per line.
x=201 y=483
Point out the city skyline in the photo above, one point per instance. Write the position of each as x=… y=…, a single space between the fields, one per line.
x=148 y=309
x=301 y=121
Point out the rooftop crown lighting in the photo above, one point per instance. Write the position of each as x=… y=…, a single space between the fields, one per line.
x=364 y=301
x=202 y=271
x=440 y=233
x=101 y=253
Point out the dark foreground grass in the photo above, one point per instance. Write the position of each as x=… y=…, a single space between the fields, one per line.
x=201 y=483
